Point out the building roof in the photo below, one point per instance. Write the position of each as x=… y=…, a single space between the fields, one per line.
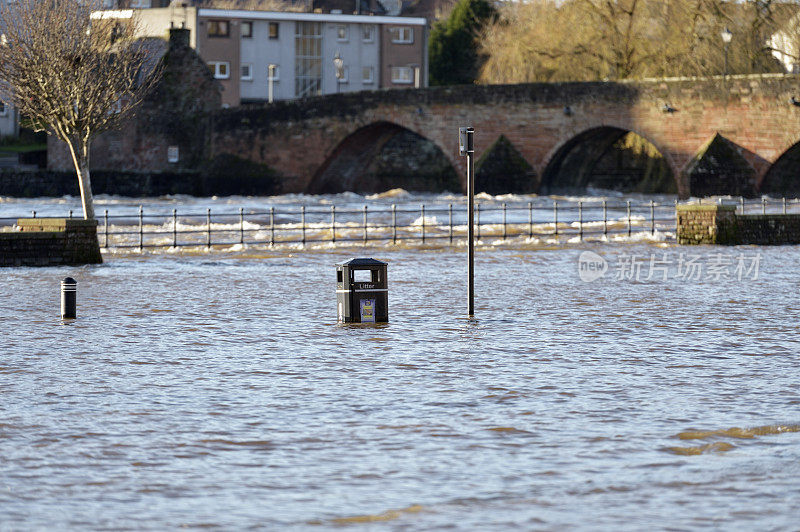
x=308 y=17
x=362 y=262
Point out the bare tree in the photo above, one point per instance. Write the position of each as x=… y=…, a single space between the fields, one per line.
x=72 y=75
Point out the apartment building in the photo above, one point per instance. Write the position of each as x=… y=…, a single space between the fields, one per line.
x=258 y=55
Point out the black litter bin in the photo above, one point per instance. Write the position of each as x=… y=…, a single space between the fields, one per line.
x=362 y=293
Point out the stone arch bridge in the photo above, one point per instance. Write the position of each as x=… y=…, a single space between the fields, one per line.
x=738 y=135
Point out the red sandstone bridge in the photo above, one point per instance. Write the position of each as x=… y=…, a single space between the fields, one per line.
x=734 y=136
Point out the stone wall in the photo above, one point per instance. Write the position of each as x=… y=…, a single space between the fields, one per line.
x=208 y=182
x=706 y=224
x=50 y=242
x=769 y=229
x=174 y=114
x=719 y=224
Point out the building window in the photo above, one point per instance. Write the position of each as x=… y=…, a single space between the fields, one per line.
x=220 y=69
x=308 y=59
x=3 y=109
x=367 y=75
x=218 y=28
x=247 y=29
x=273 y=30
x=402 y=35
x=404 y=75
x=367 y=33
x=173 y=155
x=341 y=32
x=274 y=73
x=246 y=71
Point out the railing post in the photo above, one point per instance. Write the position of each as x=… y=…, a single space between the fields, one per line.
x=505 y=229
x=174 y=228
x=530 y=220
x=478 y=221
x=141 y=228
x=105 y=225
x=366 y=238
x=272 y=226
x=33 y=214
x=394 y=223
x=784 y=205
x=208 y=228
x=676 y=217
x=303 y=224
x=652 y=218
x=763 y=205
x=580 y=221
x=333 y=224
x=741 y=203
x=422 y=208
x=241 y=226
x=70 y=214
x=450 y=220
x=555 y=218
x=605 y=218
x=628 y=211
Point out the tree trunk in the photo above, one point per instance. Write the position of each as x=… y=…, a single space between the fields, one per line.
x=80 y=158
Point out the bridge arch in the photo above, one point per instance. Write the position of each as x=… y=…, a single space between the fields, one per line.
x=383 y=155
x=609 y=157
x=783 y=176
x=720 y=168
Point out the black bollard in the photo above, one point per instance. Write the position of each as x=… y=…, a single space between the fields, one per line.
x=69 y=300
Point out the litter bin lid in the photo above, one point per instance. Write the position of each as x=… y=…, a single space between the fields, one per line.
x=363 y=262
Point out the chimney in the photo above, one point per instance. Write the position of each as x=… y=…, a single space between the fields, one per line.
x=178 y=37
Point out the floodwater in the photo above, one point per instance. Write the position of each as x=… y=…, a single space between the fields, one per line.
x=216 y=390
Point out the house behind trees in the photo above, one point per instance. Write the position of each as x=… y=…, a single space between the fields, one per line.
x=167 y=132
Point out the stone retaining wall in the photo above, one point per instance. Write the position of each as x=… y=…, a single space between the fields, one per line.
x=719 y=224
x=50 y=242
x=769 y=229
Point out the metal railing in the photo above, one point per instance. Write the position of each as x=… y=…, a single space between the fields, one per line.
x=550 y=221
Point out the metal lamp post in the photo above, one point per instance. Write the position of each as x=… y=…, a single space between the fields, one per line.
x=466 y=146
x=270 y=80
x=338 y=64
x=726 y=35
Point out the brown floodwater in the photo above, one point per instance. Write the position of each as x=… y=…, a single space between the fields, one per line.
x=216 y=390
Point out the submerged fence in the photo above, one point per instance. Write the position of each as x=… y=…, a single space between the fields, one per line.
x=544 y=220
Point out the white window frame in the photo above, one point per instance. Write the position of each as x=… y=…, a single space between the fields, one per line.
x=400 y=80
x=246 y=24
x=402 y=34
x=371 y=78
x=371 y=36
x=216 y=69
x=342 y=28
x=3 y=109
x=249 y=76
x=277 y=75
